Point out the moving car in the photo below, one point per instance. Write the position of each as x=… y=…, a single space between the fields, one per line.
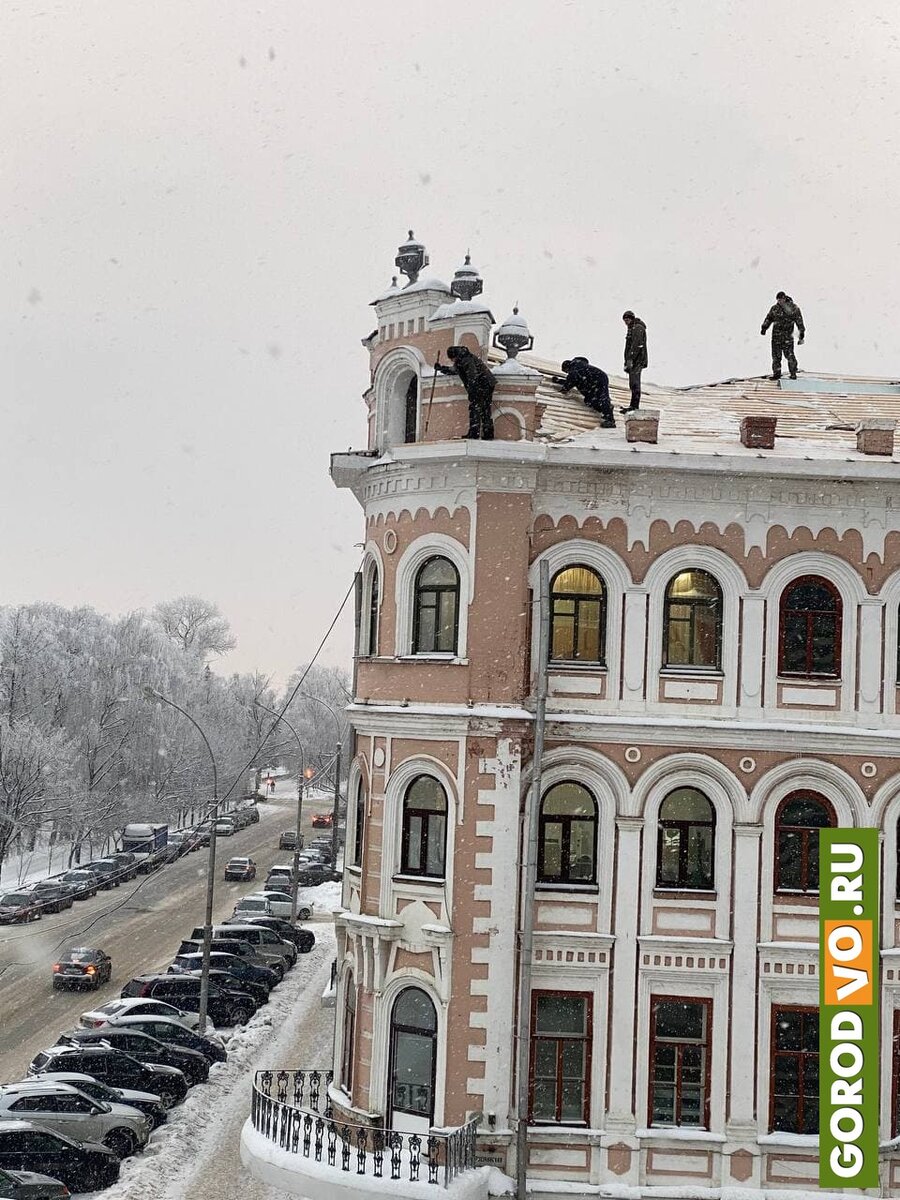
x=16 y=908
x=288 y=840
x=279 y=905
x=82 y=966
x=267 y=943
x=144 y=1102
x=114 y=1010
x=322 y=820
x=29 y=1185
x=113 y=1068
x=258 y=981
x=84 y=882
x=64 y=1109
x=143 y=1047
x=228 y=1003
x=81 y=1166
x=242 y=869
x=302 y=939
x=164 y=1029
x=52 y=897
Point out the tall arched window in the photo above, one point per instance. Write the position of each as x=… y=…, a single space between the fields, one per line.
x=413 y=1054
x=692 y=621
x=567 y=835
x=799 y=818
x=436 y=607
x=349 y=1034
x=411 y=411
x=359 y=824
x=577 y=616
x=374 y=599
x=424 y=839
x=809 y=641
x=686 y=841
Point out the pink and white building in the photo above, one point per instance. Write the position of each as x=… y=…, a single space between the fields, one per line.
x=723 y=682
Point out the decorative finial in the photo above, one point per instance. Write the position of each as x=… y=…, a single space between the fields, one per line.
x=411 y=258
x=514 y=334
x=467 y=283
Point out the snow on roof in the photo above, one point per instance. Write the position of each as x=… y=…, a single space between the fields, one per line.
x=817 y=413
x=512 y=366
x=429 y=284
x=461 y=308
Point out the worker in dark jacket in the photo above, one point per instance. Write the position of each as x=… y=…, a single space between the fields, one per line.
x=635 y=356
x=783 y=316
x=479 y=383
x=593 y=385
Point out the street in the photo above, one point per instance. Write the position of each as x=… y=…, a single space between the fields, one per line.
x=140 y=925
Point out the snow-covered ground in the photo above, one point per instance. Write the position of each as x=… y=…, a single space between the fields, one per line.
x=195 y=1156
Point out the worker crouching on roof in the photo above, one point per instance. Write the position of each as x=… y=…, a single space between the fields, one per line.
x=479 y=383
x=593 y=385
x=783 y=316
x=635 y=356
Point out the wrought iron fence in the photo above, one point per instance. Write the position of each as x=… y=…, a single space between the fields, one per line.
x=292 y=1109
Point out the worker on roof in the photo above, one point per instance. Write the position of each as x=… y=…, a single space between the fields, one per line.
x=635 y=356
x=479 y=382
x=783 y=316
x=593 y=385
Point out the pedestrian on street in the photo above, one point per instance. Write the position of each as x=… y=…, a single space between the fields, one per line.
x=479 y=382
x=783 y=316
x=593 y=385
x=635 y=356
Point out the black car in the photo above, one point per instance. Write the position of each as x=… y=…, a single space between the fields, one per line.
x=115 y=1069
x=312 y=874
x=52 y=897
x=257 y=980
x=126 y=862
x=278 y=882
x=224 y=944
x=228 y=1004
x=164 y=1029
x=288 y=840
x=16 y=908
x=108 y=872
x=85 y=883
x=81 y=1166
x=144 y=1048
x=303 y=939
x=82 y=966
x=29 y=1185
x=265 y=942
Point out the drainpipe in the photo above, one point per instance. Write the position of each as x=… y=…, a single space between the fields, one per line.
x=529 y=869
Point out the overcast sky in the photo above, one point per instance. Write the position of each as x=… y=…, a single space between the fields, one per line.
x=200 y=198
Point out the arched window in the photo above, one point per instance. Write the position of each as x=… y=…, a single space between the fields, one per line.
x=809 y=641
x=567 y=835
x=413 y=1054
x=686 y=841
x=692 y=621
x=799 y=818
x=359 y=824
x=411 y=411
x=349 y=1035
x=372 y=615
x=436 y=607
x=424 y=841
x=577 y=616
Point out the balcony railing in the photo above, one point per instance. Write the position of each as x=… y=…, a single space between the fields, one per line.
x=292 y=1110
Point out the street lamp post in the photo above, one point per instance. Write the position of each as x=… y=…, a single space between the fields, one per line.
x=335 y=814
x=210 y=862
x=301 y=776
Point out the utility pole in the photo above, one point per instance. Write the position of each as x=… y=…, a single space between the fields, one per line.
x=301 y=776
x=529 y=871
x=335 y=815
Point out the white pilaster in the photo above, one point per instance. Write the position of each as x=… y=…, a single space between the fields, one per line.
x=741 y=1121
x=621 y=1116
x=870 y=668
x=752 y=644
x=634 y=646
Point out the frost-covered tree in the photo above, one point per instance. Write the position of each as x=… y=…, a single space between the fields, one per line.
x=196 y=625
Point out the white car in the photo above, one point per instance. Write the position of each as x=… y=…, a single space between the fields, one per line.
x=64 y=1109
x=272 y=904
x=140 y=1006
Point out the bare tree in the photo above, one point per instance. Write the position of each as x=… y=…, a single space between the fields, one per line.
x=196 y=625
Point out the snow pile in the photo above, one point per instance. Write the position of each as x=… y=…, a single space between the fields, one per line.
x=176 y=1146
x=325 y=897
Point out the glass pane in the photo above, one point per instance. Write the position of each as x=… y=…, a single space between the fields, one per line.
x=438 y=571
x=807 y=595
x=788 y=1029
x=578 y=580
x=414 y=1008
x=543 y=1104
x=572 y=1108
x=560 y=1014
x=669 y=856
x=785 y=1117
x=793 y=636
x=545 y=1058
x=663 y=1105
x=425 y=639
x=789 y=859
x=699 y=856
x=447 y=623
x=563 y=632
x=589 y=619
x=568 y=799
x=787 y=1073
x=679 y=1019
x=686 y=804
x=413 y=843
x=678 y=636
x=811 y=883
x=426 y=793
x=434 y=864
x=805 y=812
x=573 y=1056
x=551 y=848
x=698 y=585
x=824 y=643
x=581 y=851
x=706 y=635
x=810 y=1022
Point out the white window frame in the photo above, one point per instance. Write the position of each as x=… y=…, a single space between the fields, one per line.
x=434 y=545
x=373 y=565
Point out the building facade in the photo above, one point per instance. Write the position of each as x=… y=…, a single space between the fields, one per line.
x=722 y=683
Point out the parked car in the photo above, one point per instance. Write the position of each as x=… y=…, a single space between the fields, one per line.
x=224 y=827
x=164 y=1029
x=302 y=939
x=29 y=1185
x=266 y=942
x=114 y=1010
x=223 y=944
x=251 y=813
x=288 y=840
x=258 y=981
x=113 y=1068
x=322 y=820
x=228 y=1004
x=241 y=869
x=144 y=1102
x=17 y=908
x=82 y=966
x=324 y=847
x=64 y=1109
x=81 y=1166
x=127 y=862
x=84 y=882
x=53 y=897
x=203 y=832
x=312 y=874
x=275 y=904
x=143 y=1047
x=108 y=872
x=278 y=883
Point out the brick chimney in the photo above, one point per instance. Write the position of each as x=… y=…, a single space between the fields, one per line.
x=642 y=425
x=875 y=437
x=758 y=432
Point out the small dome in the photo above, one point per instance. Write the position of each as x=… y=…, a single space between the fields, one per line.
x=514 y=334
x=411 y=258
x=467 y=282
x=391 y=291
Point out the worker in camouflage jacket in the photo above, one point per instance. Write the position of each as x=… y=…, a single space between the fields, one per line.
x=783 y=316
x=479 y=382
x=635 y=356
x=593 y=385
